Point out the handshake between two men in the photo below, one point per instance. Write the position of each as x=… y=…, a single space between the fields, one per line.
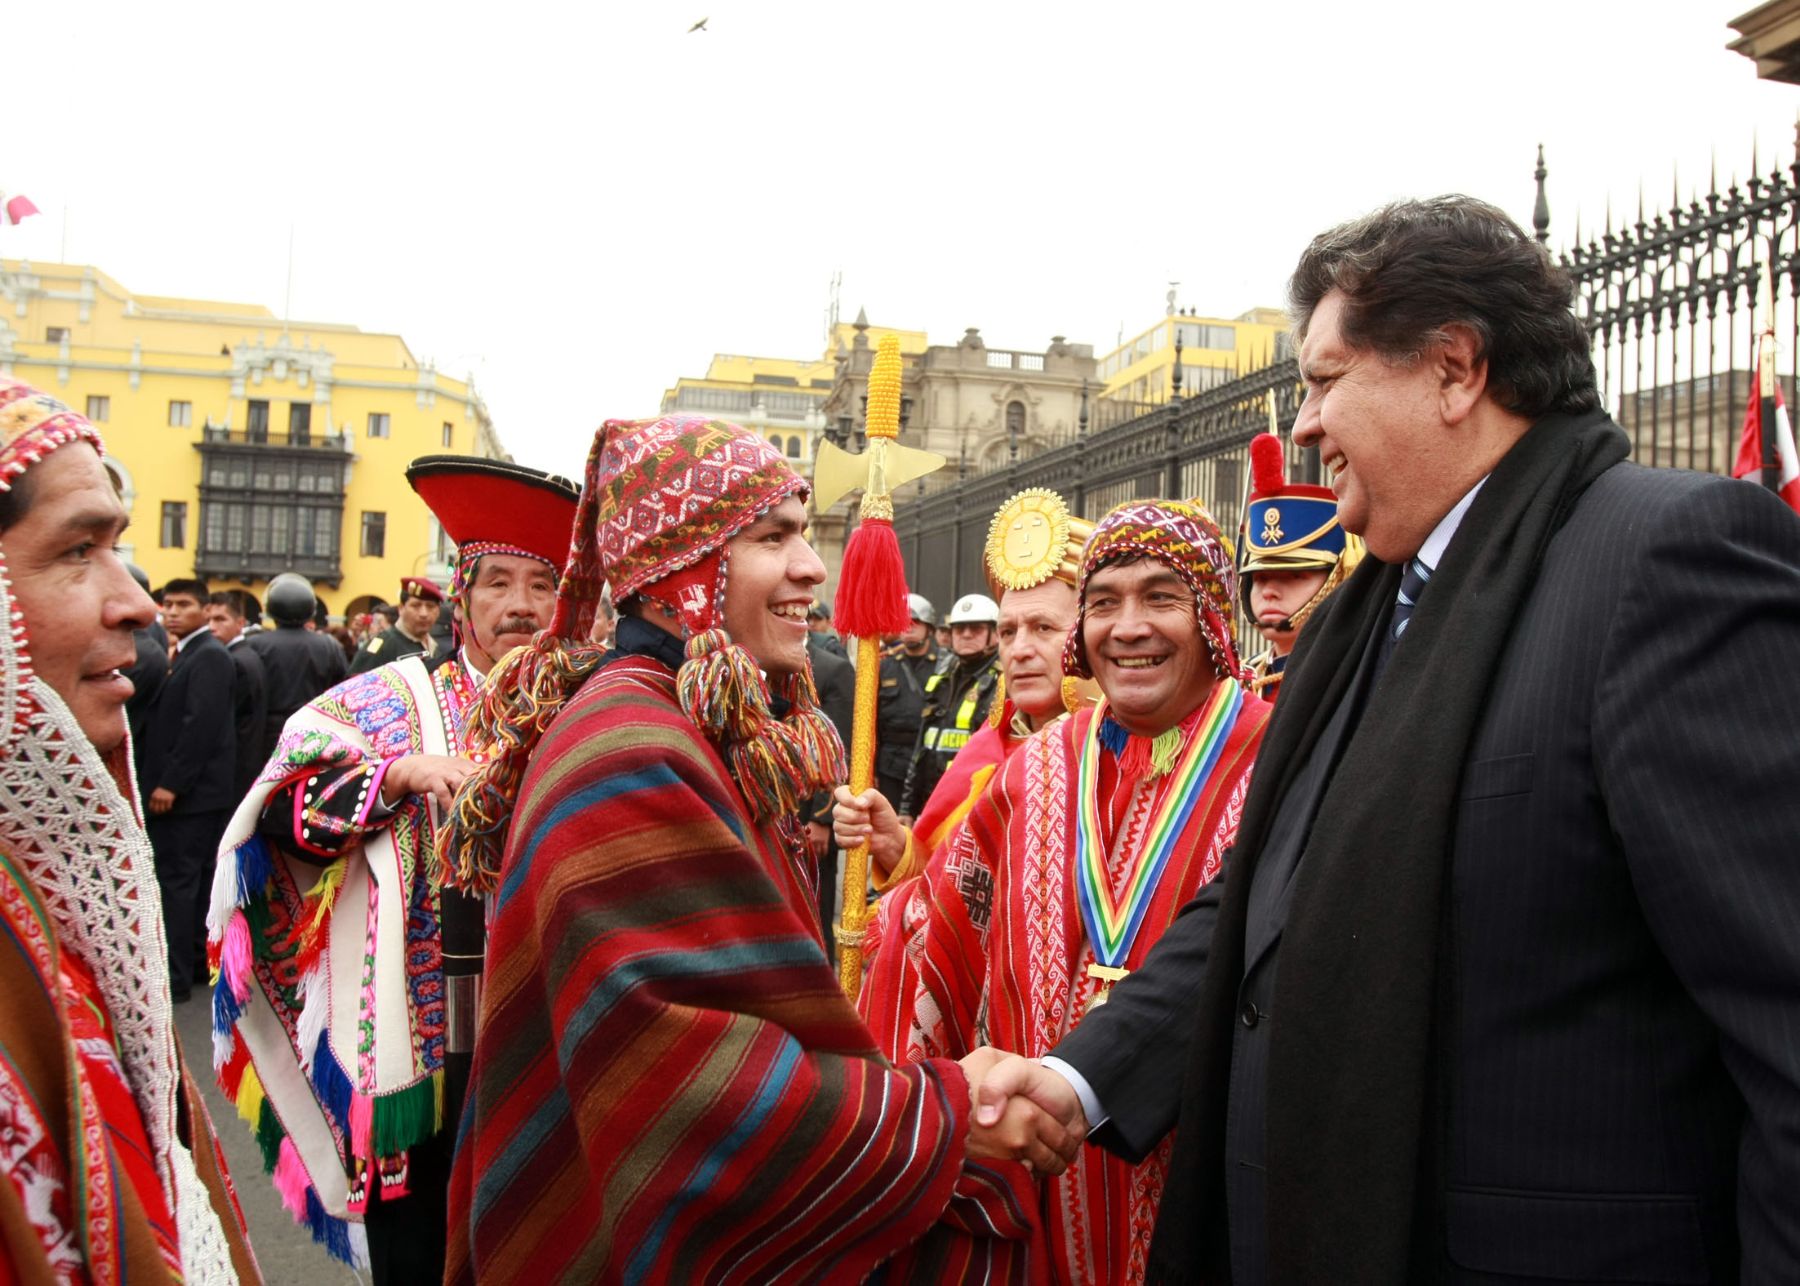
x=1020 y=1110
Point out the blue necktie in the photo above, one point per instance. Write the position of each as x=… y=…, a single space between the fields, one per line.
x=1412 y=584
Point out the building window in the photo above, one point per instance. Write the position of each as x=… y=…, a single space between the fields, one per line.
x=256 y=428
x=1015 y=417
x=181 y=415
x=793 y=447
x=374 y=534
x=449 y=434
x=174 y=524
x=300 y=423
x=55 y=334
x=378 y=424
x=99 y=409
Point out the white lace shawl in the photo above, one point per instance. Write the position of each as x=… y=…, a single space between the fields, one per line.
x=82 y=842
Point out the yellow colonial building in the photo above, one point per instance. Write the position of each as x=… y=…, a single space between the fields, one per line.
x=1214 y=350
x=244 y=445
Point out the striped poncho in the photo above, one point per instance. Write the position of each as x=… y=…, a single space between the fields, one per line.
x=668 y=1084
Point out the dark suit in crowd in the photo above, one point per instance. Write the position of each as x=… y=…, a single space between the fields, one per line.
x=249 y=713
x=146 y=674
x=835 y=679
x=298 y=665
x=190 y=750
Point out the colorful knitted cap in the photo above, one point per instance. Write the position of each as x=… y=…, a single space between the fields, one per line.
x=662 y=499
x=1182 y=535
x=32 y=425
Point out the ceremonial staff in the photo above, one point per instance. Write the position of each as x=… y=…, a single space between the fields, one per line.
x=871 y=599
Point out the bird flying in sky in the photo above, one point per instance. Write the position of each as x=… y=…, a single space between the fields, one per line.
x=699 y=26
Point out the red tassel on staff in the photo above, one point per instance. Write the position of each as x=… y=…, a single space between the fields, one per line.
x=872 y=583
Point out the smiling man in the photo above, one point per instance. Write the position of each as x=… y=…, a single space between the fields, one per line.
x=358 y=1024
x=1501 y=986
x=109 y=1170
x=669 y=1084
x=1086 y=845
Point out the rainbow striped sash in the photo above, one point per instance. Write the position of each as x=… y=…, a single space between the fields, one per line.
x=1113 y=926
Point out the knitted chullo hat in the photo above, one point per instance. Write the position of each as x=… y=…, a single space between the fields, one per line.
x=1183 y=535
x=661 y=502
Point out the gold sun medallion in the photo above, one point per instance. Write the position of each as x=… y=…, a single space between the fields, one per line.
x=1028 y=540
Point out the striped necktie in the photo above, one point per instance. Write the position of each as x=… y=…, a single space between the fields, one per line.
x=1412 y=584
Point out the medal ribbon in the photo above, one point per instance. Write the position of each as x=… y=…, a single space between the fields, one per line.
x=1111 y=928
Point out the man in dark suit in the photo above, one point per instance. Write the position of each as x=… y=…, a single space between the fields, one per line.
x=190 y=759
x=835 y=679
x=249 y=688
x=1502 y=982
x=147 y=672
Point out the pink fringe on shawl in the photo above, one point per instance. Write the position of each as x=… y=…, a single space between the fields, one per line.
x=291 y=1179
x=362 y=1124
x=234 y=956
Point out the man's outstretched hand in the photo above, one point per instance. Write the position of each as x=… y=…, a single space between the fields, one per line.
x=1022 y=1112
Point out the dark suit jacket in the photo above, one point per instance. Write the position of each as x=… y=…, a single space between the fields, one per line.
x=1618 y=1040
x=835 y=678
x=146 y=674
x=190 y=744
x=249 y=711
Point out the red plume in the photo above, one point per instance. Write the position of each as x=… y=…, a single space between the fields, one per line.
x=872 y=582
x=1265 y=465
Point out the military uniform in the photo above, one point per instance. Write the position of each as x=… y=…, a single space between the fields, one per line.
x=390 y=645
x=1288 y=526
x=1265 y=673
x=899 y=705
x=957 y=698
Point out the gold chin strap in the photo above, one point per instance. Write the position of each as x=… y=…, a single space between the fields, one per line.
x=1346 y=563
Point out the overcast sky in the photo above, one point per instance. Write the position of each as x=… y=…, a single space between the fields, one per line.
x=578 y=208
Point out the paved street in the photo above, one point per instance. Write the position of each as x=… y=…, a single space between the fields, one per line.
x=283 y=1248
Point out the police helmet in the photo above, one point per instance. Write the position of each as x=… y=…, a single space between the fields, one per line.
x=974 y=609
x=921 y=609
x=290 y=599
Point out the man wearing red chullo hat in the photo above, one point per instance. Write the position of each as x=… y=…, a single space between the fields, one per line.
x=668 y=1083
x=344 y=1009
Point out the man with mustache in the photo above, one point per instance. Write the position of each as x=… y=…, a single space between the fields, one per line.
x=109 y=1170
x=1082 y=851
x=345 y=1003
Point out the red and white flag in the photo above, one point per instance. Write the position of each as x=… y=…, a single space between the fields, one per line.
x=1750 y=446
x=16 y=209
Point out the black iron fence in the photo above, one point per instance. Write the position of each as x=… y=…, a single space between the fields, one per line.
x=1673 y=300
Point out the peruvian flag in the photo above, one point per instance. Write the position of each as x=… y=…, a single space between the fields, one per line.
x=16 y=210
x=1768 y=413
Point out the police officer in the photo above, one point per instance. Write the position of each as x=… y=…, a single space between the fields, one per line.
x=420 y=603
x=906 y=667
x=956 y=697
x=299 y=663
